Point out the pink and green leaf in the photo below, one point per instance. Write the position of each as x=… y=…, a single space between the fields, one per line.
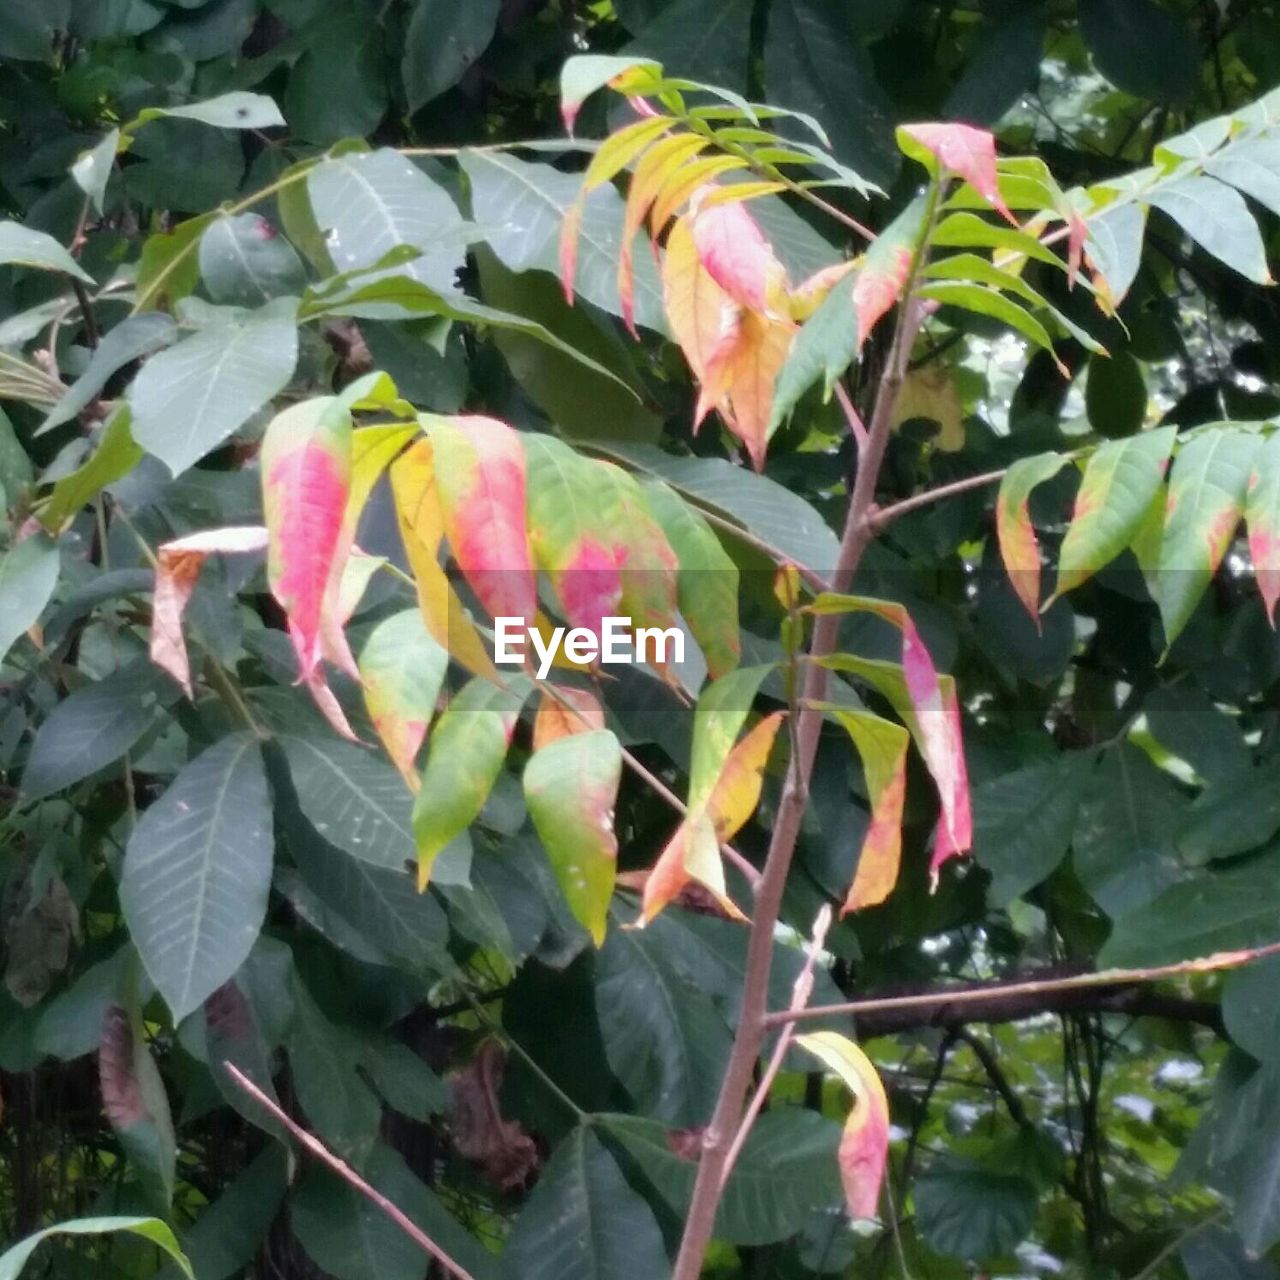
x=734 y=251
x=480 y=479
x=880 y=281
x=882 y=748
x=1019 y=548
x=567 y=711
x=402 y=669
x=864 y=1145
x=571 y=787
x=1208 y=485
x=464 y=759
x=306 y=478
x=581 y=76
x=1119 y=482
x=1262 y=513
x=962 y=150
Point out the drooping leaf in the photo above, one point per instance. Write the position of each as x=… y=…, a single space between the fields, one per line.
x=571 y=786
x=480 y=479
x=402 y=669
x=28 y=576
x=135 y=1103
x=153 y=1229
x=1207 y=488
x=1018 y=546
x=864 y=1145
x=583 y=1221
x=882 y=748
x=1119 y=482
x=1262 y=513
x=824 y=348
x=736 y=255
x=188 y=399
x=178 y=567
x=464 y=758
x=27 y=247
x=306 y=476
x=421 y=522
x=930 y=709
x=959 y=149
x=583 y=74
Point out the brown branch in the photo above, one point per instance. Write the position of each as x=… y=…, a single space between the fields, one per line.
x=749 y=1037
x=886 y=515
x=972 y=1003
x=351 y=1177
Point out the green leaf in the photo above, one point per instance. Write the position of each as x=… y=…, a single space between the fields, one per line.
x=1216 y=217
x=1238 y=814
x=825 y=347
x=114 y=456
x=92 y=169
x=1218 y=1254
x=968 y=231
x=443 y=39
x=356 y=801
x=132 y=338
x=786 y=1171
x=28 y=576
x=158 y=1233
x=522 y=205
x=1207 y=488
x=189 y=399
x=691 y=41
x=353 y=1239
x=708 y=583
x=236 y=110
x=1250 y=1010
x=974 y=1213
x=72 y=1022
x=1114 y=246
x=370 y=203
x=1256 y=1178
x=404 y=1081
x=1189 y=723
x=1250 y=166
x=245 y=262
x=95 y=726
x=1124 y=838
x=663 y=1038
x=339 y=87
x=813 y=63
x=988 y=302
x=1115 y=398
x=25 y=247
x=571 y=787
x=1212 y=911
x=1001 y=66
x=1141 y=47
x=584 y=1222
x=323 y=1061
x=1120 y=480
x=134 y=1101
x=197 y=871
x=464 y=758
x=1023 y=822
x=774 y=516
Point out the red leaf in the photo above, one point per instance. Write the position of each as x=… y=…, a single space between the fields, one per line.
x=480 y=475
x=880 y=281
x=967 y=152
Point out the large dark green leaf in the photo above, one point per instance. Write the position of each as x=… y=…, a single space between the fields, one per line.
x=95 y=726
x=28 y=575
x=583 y=1222
x=443 y=40
x=704 y=44
x=1141 y=47
x=197 y=871
x=245 y=262
x=974 y=1213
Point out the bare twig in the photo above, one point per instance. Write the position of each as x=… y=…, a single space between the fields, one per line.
x=975 y=997
x=801 y=990
x=351 y=1177
x=851 y=416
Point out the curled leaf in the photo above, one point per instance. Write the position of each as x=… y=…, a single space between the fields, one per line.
x=864 y=1145
x=1018 y=546
x=733 y=249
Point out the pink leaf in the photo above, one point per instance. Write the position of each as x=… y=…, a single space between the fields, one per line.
x=967 y=152
x=737 y=256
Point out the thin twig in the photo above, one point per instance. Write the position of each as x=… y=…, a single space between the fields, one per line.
x=350 y=1176
x=851 y=416
x=801 y=990
x=968 y=997
x=883 y=516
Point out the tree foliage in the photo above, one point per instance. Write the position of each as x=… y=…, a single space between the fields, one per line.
x=916 y=364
